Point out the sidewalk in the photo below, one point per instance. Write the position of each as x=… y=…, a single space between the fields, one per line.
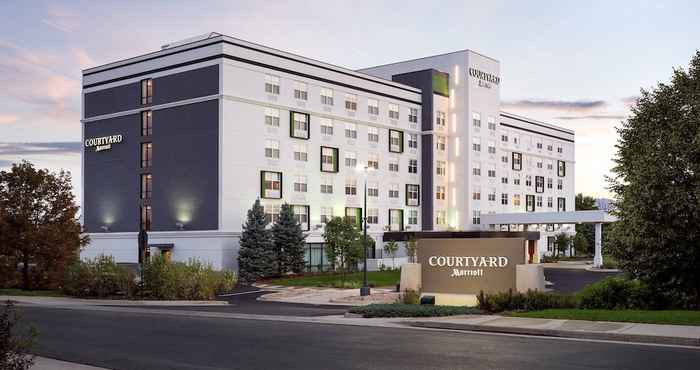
x=600 y=330
x=66 y=301
x=43 y=363
x=326 y=296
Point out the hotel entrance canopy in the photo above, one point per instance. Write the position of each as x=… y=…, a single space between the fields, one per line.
x=598 y=218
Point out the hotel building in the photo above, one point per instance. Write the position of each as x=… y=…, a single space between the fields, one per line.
x=182 y=141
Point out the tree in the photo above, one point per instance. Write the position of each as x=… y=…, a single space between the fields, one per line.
x=39 y=224
x=391 y=248
x=656 y=186
x=585 y=203
x=581 y=245
x=14 y=345
x=562 y=241
x=289 y=242
x=256 y=258
x=411 y=248
x=343 y=242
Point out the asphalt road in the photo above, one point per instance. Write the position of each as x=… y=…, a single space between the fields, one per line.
x=121 y=340
x=572 y=280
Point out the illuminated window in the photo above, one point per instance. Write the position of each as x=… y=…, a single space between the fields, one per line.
x=561 y=168
x=299 y=125
x=441 y=143
x=146 y=91
x=373 y=160
x=146 y=155
x=395 y=141
x=396 y=219
x=146 y=218
x=329 y=159
x=412 y=195
x=146 y=185
x=146 y=123
x=440 y=192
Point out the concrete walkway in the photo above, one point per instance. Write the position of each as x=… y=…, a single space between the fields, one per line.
x=43 y=363
x=327 y=296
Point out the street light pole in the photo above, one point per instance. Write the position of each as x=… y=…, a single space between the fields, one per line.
x=364 y=291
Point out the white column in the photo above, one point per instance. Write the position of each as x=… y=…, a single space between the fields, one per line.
x=598 y=259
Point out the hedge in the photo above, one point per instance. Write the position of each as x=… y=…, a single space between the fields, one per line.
x=411 y=310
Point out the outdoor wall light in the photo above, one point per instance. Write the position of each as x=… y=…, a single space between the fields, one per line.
x=104 y=228
x=180 y=226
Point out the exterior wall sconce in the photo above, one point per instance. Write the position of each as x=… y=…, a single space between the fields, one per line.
x=104 y=228
x=180 y=226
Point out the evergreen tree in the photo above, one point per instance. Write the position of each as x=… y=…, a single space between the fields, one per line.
x=256 y=257
x=289 y=242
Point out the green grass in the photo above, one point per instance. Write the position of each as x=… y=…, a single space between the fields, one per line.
x=32 y=293
x=352 y=280
x=676 y=317
x=411 y=310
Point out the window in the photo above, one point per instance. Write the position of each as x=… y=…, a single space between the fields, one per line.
x=528 y=180
x=326 y=214
x=146 y=185
x=504 y=137
x=350 y=187
x=326 y=96
x=146 y=91
x=300 y=184
x=440 y=120
x=492 y=172
x=394 y=111
x=516 y=200
x=350 y=159
x=504 y=180
x=476 y=169
x=560 y=184
x=561 y=168
x=492 y=123
x=396 y=219
x=517 y=161
x=550 y=165
x=301 y=215
x=412 y=195
x=412 y=115
x=476 y=216
x=560 y=150
x=538 y=201
x=412 y=166
x=549 y=202
x=413 y=217
x=300 y=91
x=413 y=141
x=516 y=179
x=351 y=102
x=529 y=203
x=272 y=212
x=550 y=147
x=272 y=117
x=354 y=215
x=441 y=143
x=476 y=194
x=440 y=217
x=539 y=184
x=504 y=198
x=329 y=159
x=326 y=126
x=373 y=160
x=561 y=204
x=393 y=191
x=440 y=192
x=146 y=217
x=299 y=125
x=272 y=149
x=492 y=195
x=393 y=165
x=146 y=155
x=476 y=119
x=350 y=130
x=476 y=144
x=373 y=216
x=272 y=84
x=492 y=147
x=326 y=186
x=441 y=168
x=539 y=164
x=539 y=145
x=504 y=159
x=373 y=106
x=300 y=153
x=146 y=123
x=372 y=134
x=372 y=189
x=549 y=183
x=396 y=141
x=515 y=139
x=271 y=185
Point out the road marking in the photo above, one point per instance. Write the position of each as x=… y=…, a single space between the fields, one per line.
x=232 y=294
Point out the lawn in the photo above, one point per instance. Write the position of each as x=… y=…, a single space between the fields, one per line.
x=31 y=293
x=352 y=280
x=649 y=317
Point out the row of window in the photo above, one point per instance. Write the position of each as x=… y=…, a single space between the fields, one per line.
x=518 y=166
x=531 y=201
x=539 y=180
x=354 y=214
x=301 y=93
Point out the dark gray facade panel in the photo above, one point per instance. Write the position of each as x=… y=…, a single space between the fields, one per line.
x=427 y=181
x=166 y=89
x=111 y=177
x=186 y=167
x=421 y=80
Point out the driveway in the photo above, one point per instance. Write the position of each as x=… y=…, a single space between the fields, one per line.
x=568 y=280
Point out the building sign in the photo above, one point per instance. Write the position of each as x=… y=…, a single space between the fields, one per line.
x=484 y=79
x=469 y=265
x=103 y=143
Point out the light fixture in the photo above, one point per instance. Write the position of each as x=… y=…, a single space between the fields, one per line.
x=180 y=226
x=104 y=228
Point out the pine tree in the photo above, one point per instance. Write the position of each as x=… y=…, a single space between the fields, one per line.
x=289 y=241
x=255 y=258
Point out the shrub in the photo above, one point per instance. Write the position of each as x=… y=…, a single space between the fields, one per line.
x=622 y=293
x=191 y=280
x=516 y=301
x=410 y=296
x=99 y=277
x=14 y=345
x=411 y=310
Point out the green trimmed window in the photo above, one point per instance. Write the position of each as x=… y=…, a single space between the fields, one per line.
x=412 y=195
x=354 y=214
x=329 y=159
x=561 y=168
x=270 y=185
x=299 y=125
x=396 y=219
x=517 y=161
x=396 y=141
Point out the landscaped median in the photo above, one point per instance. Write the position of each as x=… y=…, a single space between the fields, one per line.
x=338 y=280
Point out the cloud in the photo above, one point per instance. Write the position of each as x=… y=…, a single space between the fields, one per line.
x=22 y=149
x=630 y=101
x=592 y=116
x=8 y=118
x=576 y=105
x=4 y=163
x=61 y=18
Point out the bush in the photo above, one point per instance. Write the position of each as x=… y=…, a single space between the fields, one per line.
x=410 y=296
x=99 y=277
x=14 y=346
x=191 y=280
x=621 y=293
x=516 y=301
x=411 y=310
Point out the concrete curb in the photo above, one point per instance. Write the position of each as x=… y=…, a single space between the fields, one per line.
x=593 y=269
x=619 y=337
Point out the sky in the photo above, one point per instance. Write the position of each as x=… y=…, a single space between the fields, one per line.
x=575 y=64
